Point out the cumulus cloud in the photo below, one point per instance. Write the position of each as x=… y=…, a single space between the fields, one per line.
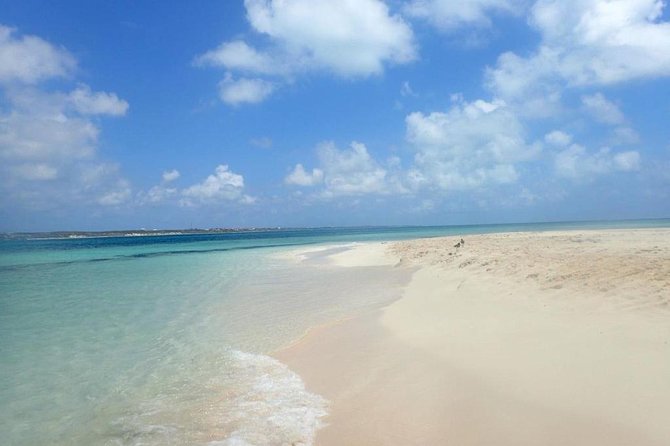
x=224 y=184
x=157 y=194
x=237 y=55
x=471 y=145
x=30 y=59
x=349 y=172
x=602 y=109
x=354 y=172
x=627 y=161
x=606 y=42
x=40 y=127
x=117 y=195
x=558 y=138
x=44 y=133
x=585 y=42
x=300 y=177
x=448 y=15
x=348 y=38
x=48 y=142
x=161 y=192
x=574 y=161
x=243 y=90
x=170 y=175
x=529 y=85
x=88 y=102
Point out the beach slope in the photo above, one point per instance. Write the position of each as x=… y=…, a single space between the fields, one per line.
x=546 y=338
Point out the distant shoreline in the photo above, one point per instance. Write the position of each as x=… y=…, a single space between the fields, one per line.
x=76 y=234
x=61 y=235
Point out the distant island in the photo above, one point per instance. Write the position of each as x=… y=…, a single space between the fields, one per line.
x=126 y=233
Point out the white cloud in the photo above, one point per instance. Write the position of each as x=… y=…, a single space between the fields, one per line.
x=38 y=127
x=585 y=42
x=349 y=38
x=119 y=194
x=602 y=109
x=82 y=183
x=37 y=171
x=239 y=91
x=237 y=55
x=576 y=163
x=48 y=142
x=300 y=177
x=101 y=182
x=30 y=59
x=349 y=172
x=627 y=161
x=625 y=135
x=170 y=175
x=558 y=138
x=448 y=15
x=224 y=184
x=471 y=145
x=248 y=199
x=606 y=42
x=353 y=172
x=97 y=103
x=157 y=194
x=43 y=127
x=529 y=85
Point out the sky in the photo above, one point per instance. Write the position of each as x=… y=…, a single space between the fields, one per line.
x=263 y=113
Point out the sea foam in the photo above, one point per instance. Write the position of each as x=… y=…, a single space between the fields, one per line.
x=272 y=405
x=256 y=400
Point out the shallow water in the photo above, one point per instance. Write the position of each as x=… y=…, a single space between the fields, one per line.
x=161 y=343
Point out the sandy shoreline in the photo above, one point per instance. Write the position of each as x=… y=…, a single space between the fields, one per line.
x=520 y=338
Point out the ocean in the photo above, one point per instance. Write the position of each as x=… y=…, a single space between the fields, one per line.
x=166 y=340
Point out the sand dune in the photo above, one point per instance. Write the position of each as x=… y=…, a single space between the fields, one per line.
x=521 y=338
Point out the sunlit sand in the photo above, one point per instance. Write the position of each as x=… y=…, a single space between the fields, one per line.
x=520 y=338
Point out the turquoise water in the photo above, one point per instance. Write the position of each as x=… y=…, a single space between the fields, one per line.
x=164 y=339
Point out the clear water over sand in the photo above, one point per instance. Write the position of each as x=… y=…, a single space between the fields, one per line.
x=161 y=341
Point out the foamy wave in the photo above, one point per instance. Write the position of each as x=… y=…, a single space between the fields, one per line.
x=241 y=399
x=273 y=406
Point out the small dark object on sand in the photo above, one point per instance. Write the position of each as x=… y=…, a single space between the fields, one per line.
x=457 y=245
x=462 y=242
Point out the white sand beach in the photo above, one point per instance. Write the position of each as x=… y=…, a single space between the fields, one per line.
x=548 y=338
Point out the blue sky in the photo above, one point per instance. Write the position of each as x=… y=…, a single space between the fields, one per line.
x=317 y=112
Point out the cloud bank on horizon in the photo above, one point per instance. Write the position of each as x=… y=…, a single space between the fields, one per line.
x=344 y=112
